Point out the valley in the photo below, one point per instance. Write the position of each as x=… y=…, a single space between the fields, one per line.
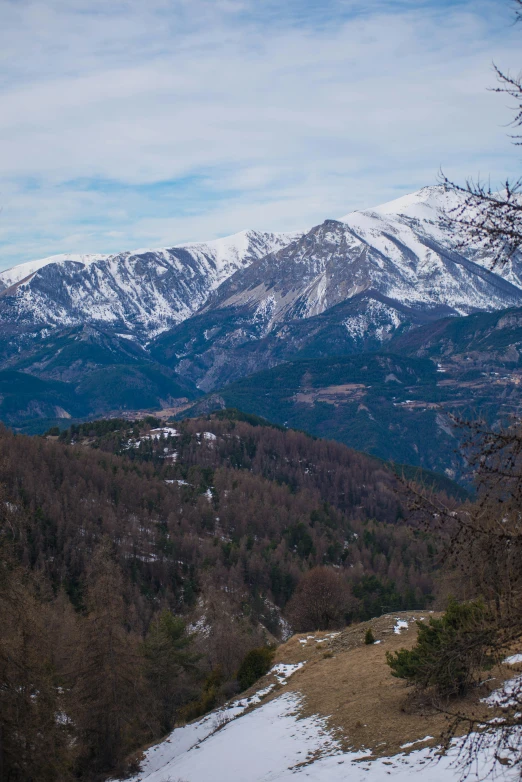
x=260 y=493
x=374 y=330
x=112 y=525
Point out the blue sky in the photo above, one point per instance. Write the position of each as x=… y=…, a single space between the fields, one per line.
x=132 y=124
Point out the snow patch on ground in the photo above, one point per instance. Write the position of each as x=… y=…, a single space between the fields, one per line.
x=164 y=431
x=283 y=671
x=418 y=741
x=400 y=624
x=506 y=696
x=259 y=746
x=513 y=660
x=328 y=637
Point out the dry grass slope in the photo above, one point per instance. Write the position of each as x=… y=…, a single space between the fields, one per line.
x=349 y=683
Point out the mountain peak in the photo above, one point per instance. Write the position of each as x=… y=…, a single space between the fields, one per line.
x=428 y=203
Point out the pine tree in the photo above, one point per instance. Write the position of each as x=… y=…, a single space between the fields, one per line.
x=450 y=652
x=369 y=637
x=167 y=658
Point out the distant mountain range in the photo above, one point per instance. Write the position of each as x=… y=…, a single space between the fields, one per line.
x=399 y=250
x=343 y=287
x=139 y=293
x=158 y=328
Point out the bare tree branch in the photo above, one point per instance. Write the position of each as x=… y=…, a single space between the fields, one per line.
x=489 y=220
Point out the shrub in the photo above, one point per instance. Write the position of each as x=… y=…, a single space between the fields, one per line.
x=208 y=699
x=255 y=664
x=449 y=652
x=369 y=637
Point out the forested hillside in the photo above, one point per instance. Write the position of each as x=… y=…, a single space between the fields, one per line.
x=126 y=534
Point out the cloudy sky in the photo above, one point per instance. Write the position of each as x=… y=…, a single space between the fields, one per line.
x=128 y=124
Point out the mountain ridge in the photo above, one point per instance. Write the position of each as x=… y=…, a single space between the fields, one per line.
x=142 y=292
x=220 y=313
x=401 y=249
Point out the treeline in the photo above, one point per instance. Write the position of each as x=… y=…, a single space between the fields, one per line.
x=116 y=537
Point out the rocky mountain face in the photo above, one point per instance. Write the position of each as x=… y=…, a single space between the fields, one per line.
x=158 y=329
x=138 y=293
x=337 y=260
x=222 y=345
x=345 y=286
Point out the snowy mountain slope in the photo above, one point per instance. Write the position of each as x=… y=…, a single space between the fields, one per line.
x=400 y=250
x=143 y=292
x=23 y=270
x=409 y=259
x=334 y=715
x=425 y=214
x=272 y=743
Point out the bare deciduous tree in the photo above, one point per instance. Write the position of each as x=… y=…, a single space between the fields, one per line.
x=320 y=600
x=108 y=717
x=492 y=219
x=483 y=540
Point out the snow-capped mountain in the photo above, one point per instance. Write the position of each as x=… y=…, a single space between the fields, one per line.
x=344 y=287
x=399 y=250
x=426 y=213
x=260 y=298
x=142 y=292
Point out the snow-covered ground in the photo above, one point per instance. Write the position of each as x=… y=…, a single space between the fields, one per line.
x=257 y=746
x=272 y=743
x=154 y=434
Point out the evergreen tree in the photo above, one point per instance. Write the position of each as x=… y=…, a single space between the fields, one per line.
x=369 y=637
x=167 y=658
x=450 y=652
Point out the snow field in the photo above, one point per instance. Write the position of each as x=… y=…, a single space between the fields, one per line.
x=259 y=746
x=272 y=744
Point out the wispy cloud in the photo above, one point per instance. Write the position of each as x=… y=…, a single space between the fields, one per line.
x=131 y=123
